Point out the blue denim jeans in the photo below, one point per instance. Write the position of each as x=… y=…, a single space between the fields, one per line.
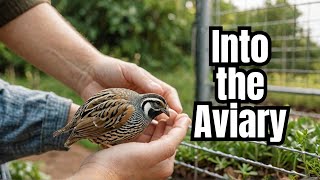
x=27 y=120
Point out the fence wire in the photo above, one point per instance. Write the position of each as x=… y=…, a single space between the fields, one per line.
x=212 y=174
x=289 y=149
x=249 y=161
x=295 y=35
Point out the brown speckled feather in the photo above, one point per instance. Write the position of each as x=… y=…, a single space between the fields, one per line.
x=108 y=108
x=114 y=116
x=110 y=114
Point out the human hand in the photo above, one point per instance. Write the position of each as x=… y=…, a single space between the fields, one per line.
x=108 y=72
x=74 y=61
x=151 y=157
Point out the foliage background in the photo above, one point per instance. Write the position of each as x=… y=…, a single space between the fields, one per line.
x=158 y=35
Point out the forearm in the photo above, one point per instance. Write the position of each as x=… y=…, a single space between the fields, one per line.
x=10 y=9
x=28 y=119
x=46 y=40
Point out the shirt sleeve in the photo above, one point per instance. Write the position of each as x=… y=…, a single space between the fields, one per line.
x=28 y=119
x=10 y=9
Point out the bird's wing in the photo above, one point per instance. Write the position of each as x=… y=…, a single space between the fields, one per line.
x=112 y=93
x=100 y=112
x=107 y=110
x=106 y=116
x=100 y=98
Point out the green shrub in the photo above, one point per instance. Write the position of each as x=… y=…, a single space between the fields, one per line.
x=25 y=170
x=149 y=33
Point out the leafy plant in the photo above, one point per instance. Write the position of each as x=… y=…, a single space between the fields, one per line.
x=146 y=32
x=25 y=170
x=302 y=134
x=220 y=163
x=246 y=170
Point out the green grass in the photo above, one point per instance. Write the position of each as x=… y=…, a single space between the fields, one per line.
x=38 y=81
x=299 y=102
x=294 y=80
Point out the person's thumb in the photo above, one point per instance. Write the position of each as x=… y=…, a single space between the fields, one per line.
x=166 y=146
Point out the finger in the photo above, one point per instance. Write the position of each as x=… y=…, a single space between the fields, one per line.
x=150 y=129
x=170 y=122
x=159 y=130
x=137 y=77
x=165 y=125
x=90 y=90
x=172 y=158
x=166 y=146
x=172 y=97
x=172 y=113
x=154 y=122
x=143 y=138
x=161 y=116
x=169 y=93
x=173 y=116
x=146 y=134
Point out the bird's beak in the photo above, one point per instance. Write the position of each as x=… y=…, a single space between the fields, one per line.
x=166 y=111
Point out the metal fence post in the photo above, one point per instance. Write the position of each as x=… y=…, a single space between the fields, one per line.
x=203 y=20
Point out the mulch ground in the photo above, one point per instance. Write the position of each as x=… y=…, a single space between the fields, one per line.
x=61 y=164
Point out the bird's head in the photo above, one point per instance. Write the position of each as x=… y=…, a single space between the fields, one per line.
x=154 y=105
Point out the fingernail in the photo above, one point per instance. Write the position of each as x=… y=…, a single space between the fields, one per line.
x=172 y=112
x=185 y=120
x=178 y=106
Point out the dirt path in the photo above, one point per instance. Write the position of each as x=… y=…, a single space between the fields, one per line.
x=61 y=164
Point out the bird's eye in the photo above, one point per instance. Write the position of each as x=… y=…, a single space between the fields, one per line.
x=157 y=102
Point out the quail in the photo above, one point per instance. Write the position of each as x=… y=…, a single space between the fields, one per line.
x=113 y=116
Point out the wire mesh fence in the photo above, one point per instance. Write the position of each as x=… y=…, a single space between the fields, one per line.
x=294 y=68
x=295 y=33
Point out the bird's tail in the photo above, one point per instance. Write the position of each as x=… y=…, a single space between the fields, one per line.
x=71 y=140
x=67 y=128
x=58 y=132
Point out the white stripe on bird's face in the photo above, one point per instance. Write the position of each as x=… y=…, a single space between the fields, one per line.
x=146 y=108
